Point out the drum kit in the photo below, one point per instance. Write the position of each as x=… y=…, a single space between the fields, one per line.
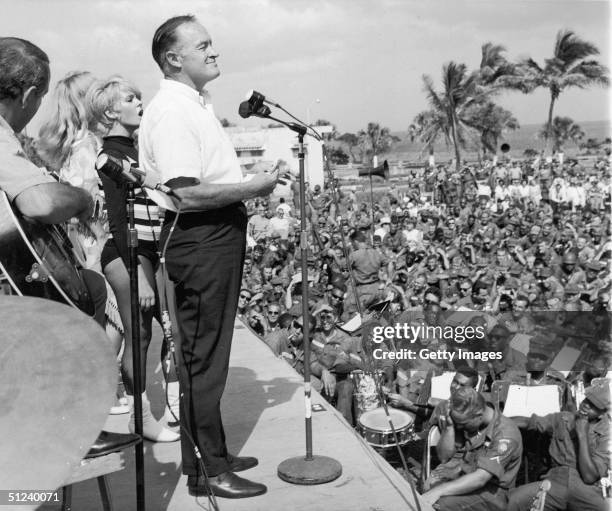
x=58 y=378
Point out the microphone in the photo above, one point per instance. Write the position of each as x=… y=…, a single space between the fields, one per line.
x=257 y=99
x=246 y=110
x=115 y=169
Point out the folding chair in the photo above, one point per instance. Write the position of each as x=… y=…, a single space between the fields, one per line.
x=433 y=437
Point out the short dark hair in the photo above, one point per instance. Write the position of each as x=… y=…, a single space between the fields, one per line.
x=165 y=36
x=470 y=373
x=285 y=319
x=358 y=236
x=466 y=401
x=22 y=65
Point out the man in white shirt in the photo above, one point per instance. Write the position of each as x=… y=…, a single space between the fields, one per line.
x=180 y=137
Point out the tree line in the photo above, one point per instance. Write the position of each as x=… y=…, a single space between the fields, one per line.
x=462 y=110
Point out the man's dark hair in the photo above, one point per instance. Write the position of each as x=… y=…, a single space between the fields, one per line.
x=471 y=373
x=467 y=402
x=165 y=37
x=22 y=65
x=285 y=319
x=358 y=236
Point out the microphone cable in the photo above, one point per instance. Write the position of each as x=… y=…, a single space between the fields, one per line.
x=171 y=353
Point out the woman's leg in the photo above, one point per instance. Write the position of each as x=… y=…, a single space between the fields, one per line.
x=118 y=278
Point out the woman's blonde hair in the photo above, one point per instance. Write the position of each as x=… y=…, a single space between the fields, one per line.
x=68 y=122
x=104 y=95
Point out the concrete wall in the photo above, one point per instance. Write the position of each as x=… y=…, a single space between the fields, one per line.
x=279 y=143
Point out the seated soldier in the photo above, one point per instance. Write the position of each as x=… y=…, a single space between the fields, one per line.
x=580 y=453
x=293 y=352
x=491 y=448
x=465 y=377
x=278 y=339
x=334 y=355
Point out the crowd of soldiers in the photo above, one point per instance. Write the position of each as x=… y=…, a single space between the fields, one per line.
x=519 y=250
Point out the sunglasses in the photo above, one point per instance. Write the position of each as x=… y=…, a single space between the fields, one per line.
x=340 y=298
x=245 y=297
x=275 y=313
x=464 y=288
x=296 y=325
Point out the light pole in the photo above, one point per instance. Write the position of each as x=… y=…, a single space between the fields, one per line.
x=317 y=100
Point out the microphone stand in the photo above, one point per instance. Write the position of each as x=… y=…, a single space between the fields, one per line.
x=136 y=359
x=309 y=469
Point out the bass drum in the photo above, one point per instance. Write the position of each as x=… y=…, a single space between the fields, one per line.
x=374 y=427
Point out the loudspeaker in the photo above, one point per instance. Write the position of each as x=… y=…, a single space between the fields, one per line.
x=381 y=170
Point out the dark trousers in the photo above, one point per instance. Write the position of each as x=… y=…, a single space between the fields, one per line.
x=204 y=259
x=567 y=492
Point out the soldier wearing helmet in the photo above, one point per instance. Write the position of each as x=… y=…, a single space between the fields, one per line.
x=568 y=272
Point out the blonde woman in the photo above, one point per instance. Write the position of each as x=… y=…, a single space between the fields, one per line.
x=69 y=149
x=115 y=104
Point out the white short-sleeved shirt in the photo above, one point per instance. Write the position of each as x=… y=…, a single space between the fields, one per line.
x=181 y=136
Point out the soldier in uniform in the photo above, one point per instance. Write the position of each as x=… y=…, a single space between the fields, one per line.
x=491 y=448
x=334 y=355
x=580 y=452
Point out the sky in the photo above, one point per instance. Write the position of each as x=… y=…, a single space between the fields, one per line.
x=348 y=61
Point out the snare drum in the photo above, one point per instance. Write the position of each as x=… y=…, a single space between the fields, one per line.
x=375 y=428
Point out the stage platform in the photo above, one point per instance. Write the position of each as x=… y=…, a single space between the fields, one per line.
x=263 y=411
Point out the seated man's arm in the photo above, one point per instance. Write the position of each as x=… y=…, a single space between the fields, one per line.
x=53 y=203
x=465 y=484
x=446 y=445
x=592 y=465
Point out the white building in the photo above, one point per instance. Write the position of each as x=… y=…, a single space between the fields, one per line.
x=270 y=144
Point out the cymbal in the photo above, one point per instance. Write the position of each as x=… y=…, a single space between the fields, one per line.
x=58 y=377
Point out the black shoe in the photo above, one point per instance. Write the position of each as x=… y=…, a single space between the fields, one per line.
x=240 y=463
x=108 y=442
x=227 y=485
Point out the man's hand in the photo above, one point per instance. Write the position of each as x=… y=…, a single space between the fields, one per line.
x=399 y=401
x=582 y=425
x=329 y=382
x=87 y=212
x=262 y=184
x=445 y=422
x=430 y=497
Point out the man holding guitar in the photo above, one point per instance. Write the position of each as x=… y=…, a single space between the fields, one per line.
x=24 y=80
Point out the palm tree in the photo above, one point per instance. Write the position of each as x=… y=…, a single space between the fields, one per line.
x=491 y=121
x=570 y=66
x=428 y=126
x=496 y=73
x=375 y=140
x=460 y=90
x=563 y=130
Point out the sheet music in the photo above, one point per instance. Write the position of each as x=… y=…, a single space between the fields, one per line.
x=565 y=360
x=440 y=385
x=524 y=401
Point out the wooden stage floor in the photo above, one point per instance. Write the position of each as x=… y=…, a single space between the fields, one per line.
x=263 y=411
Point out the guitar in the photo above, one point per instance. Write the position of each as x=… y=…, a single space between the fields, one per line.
x=38 y=260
